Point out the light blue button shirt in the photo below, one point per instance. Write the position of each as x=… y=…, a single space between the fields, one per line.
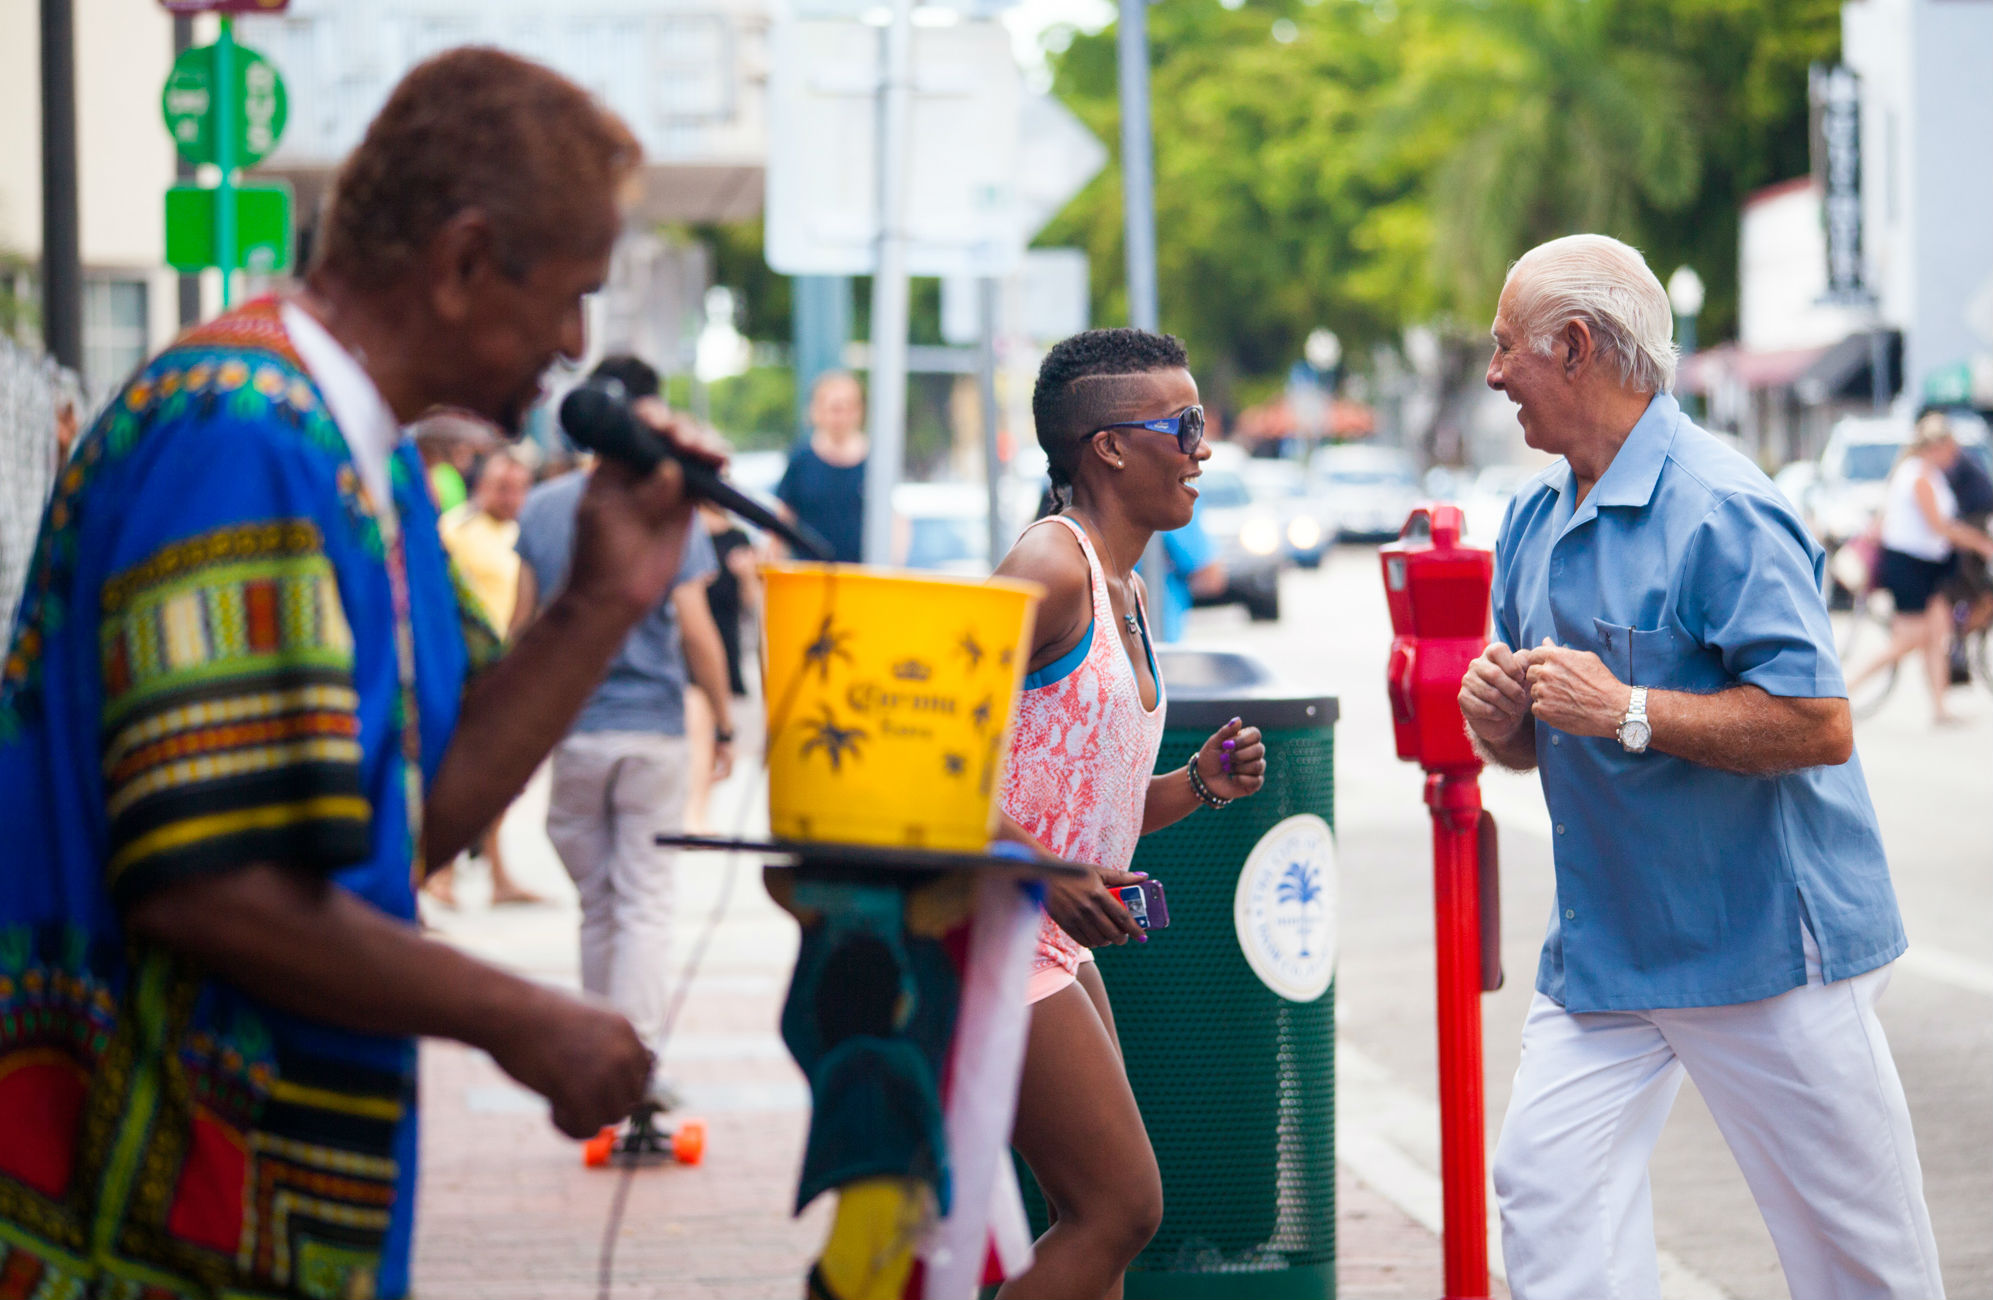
x=1680 y=885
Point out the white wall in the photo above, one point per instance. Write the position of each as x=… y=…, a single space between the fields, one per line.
x=1782 y=273
x=1927 y=167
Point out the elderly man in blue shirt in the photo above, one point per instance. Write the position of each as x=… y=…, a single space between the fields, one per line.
x=1723 y=904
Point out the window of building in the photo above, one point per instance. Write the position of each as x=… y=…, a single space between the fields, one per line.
x=115 y=315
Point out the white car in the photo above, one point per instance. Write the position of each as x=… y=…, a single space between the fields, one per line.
x=1854 y=475
x=1305 y=521
x=942 y=527
x=1487 y=499
x=1369 y=490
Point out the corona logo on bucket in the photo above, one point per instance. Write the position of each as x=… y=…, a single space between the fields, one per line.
x=890 y=699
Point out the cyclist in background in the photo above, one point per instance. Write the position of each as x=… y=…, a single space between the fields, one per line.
x=1921 y=538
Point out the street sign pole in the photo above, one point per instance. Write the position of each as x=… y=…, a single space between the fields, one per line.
x=889 y=288
x=1138 y=185
x=225 y=107
x=986 y=377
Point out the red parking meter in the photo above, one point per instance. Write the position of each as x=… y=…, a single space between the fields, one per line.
x=1438 y=592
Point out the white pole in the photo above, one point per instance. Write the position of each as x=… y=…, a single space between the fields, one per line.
x=986 y=368
x=1138 y=186
x=888 y=393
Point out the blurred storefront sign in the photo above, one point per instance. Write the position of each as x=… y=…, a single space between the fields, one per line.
x=1835 y=92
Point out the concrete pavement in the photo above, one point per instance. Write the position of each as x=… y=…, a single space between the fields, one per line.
x=509 y=1213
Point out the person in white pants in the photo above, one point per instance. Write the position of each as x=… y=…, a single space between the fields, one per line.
x=619 y=778
x=1724 y=909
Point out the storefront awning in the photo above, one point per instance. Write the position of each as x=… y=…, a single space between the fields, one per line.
x=1842 y=372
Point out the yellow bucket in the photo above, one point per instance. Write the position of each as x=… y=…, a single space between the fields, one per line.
x=890 y=698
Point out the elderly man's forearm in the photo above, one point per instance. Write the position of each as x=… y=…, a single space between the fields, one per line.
x=1747 y=730
x=1516 y=751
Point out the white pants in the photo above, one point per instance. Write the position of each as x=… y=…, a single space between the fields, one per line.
x=613 y=793
x=1805 y=1092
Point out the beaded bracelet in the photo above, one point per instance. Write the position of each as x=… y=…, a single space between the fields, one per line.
x=1201 y=790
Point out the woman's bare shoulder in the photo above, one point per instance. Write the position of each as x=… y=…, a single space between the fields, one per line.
x=1051 y=557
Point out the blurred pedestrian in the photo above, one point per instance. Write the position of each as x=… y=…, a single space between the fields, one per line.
x=733 y=596
x=1118 y=416
x=1921 y=537
x=824 y=485
x=1191 y=570
x=479 y=536
x=450 y=444
x=1723 y=905
x=619 y=776
x=244 y=711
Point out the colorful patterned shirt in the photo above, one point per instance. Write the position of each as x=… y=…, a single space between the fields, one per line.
x=226 y=655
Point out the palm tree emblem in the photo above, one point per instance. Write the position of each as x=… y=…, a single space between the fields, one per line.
x=1300 y=885
x=971 y=650
x=836 y=742
x=981 y=715
x=954 y=764
x=829 y=645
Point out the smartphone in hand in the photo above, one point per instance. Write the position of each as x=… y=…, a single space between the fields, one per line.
x=1145 y=902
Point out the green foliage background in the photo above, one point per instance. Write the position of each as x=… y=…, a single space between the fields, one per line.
x=1384 y=163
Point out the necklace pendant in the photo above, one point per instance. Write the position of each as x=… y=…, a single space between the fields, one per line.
x=1134 y=628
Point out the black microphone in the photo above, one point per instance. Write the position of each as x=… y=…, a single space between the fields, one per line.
x=597 y=416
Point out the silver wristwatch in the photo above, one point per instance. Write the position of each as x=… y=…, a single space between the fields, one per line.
x=1634 y=733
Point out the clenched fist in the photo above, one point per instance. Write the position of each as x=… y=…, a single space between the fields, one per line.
x=1494 y=695
x=1573 y=690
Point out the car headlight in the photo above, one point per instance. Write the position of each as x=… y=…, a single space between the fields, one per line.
x=1259 y=537
x=1303 y=533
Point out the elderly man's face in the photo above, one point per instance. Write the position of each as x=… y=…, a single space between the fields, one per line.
x=1537 y=384
x=508 y=328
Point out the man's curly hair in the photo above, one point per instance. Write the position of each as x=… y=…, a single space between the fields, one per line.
x=475 y=128
x=1076 y=392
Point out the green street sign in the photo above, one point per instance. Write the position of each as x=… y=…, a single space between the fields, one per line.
x=189 y=105
x=262 y=225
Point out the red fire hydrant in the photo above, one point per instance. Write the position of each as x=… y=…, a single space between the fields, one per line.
x=1438 y=592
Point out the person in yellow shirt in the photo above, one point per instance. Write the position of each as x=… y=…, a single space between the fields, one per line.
x=479 y=535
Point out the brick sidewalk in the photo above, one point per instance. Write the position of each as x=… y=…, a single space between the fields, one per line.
x=507 y=1212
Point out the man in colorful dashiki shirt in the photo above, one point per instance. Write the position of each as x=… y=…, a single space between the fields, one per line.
x=238 y=720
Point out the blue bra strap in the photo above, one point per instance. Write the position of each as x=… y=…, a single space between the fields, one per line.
x=1063 y=666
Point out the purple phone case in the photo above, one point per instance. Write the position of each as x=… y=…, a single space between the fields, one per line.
x=1145 y=902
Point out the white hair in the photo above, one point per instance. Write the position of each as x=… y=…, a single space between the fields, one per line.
x=1608 y=286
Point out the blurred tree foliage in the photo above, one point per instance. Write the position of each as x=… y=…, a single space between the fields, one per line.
x=1363 y=166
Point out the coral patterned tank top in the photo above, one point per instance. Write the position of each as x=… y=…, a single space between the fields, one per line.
x=1081 y=757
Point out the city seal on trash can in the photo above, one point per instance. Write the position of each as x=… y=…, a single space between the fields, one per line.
x=1285 y=908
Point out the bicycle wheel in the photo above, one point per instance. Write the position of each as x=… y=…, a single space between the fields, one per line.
x=1864 y=635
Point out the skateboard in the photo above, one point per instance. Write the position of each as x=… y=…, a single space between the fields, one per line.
x=644 y=1142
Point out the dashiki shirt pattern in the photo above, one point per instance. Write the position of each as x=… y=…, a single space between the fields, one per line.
x=207 y=671
x=1081 y=756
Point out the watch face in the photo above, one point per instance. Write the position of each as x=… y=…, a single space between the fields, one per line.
x=1634 y=735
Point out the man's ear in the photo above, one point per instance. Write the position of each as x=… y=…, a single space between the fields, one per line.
x=1577 y=345
x=461 y=263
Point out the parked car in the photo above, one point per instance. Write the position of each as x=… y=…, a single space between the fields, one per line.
x=1246 y=539
x=1854 y=475
x=942 y=527
x=1370 y=490
x=1487 y=498
x=1306 y=525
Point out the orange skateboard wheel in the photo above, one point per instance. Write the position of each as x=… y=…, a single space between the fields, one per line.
x=595 y=1151
x=688 y=1144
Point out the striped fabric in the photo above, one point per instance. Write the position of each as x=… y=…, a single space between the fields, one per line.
x=231 y=731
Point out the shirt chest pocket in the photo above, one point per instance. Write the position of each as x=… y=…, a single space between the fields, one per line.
x=1658 y=657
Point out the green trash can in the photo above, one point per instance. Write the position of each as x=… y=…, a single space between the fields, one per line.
x=1227 y=1018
